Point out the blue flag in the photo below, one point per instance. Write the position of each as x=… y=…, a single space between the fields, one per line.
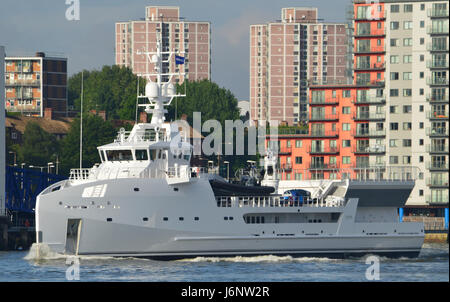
x=179 y=60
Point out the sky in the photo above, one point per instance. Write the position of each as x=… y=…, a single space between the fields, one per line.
x=28 y=26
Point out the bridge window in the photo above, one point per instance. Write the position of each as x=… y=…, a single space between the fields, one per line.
x=141 y=155
x=102 y=155
x=119 y=155
x=153 y=154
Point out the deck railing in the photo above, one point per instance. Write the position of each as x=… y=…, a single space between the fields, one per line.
x=275 y=201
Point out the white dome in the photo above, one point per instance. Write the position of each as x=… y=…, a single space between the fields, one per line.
x=170 y=89
x=151 y=90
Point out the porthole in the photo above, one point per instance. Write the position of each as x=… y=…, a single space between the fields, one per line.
x=109 y=219
x=180 y=218
x=60 y=203
x=225 y=218
x=175 y=189
x=145 y=218
x=136 y=189
x=196 y=218
x=165 y=218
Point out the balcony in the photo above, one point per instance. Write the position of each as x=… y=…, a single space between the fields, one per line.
x=376 y=16
x=285 y=151
x=437 y=132
x=437 y=166
x=437 y=149
x=438 y=182
x=374 y=66
x=366 y=83
x=437 y=98
x=369 y=133
x=372 y=49
x=442 y=199
x=286 y=167
x=378 y=32
x=329 y=101
x=437 y=115
x=437 y=81
x=321 y=166
x=437 y=30
x=324 y=117
x=437 y=13
x=369 y=100
x=324 y=133
x=437 y=47
x=325 y=150
x=33 y=83
x=375 y=149
x=369 y=116
x=438 y=64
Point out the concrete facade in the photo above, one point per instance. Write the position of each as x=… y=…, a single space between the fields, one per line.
x=35 y=83
x=191 y=39
x=287 y=56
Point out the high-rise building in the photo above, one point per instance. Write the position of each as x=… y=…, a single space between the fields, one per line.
x=35 y=83
x=395 y=114
x=287 y=56
x=191 y=39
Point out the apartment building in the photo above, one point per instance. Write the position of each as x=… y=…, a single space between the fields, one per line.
x=35 y=83
x=289 y=55
x=395 y=114
x=190 y=39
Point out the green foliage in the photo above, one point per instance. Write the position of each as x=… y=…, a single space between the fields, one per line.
x=206 y=97
x=38 y=146
x=96 y=132
x=112 y=89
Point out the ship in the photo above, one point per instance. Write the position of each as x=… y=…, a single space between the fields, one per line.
x=144 y=199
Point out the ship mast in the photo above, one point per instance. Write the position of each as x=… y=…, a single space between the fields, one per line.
x=158 y=94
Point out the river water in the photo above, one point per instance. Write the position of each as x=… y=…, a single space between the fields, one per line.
x=431 y=265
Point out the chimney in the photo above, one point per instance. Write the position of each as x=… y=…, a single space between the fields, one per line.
x=102 y=114
x=143 y=117
x=48 y=113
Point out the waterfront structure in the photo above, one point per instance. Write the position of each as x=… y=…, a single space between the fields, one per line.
x=287 y=56
x=2 y=133
x=396 y=111
x=189 y=39
x=34 y=83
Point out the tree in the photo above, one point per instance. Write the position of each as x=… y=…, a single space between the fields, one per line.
x=206 y=97
x=112 y=89
x=96 y=132
x=38 y=146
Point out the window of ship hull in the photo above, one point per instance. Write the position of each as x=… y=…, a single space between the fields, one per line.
x=119 y=155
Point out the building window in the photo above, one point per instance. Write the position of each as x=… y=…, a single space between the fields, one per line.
x=395 y=59
x=346 y=143
x=421 y=142
x=395 y=25
x=346 y=110
x=407 y=76
x=393 y=126
x=421 y=125
x=407 y=59
x=392 y=143
x=393 y=159
x=346 y=160
x=346 y=127
x=407 y=126
x=298 y=144
x=394 y=42
x=407 y=92
x=421 y=159
x=393 y=92
x=394 y=76
x=392 y=109
x=406 y=143
x=407 y=8
x=298 y=160
x=407 y=25
x=395 y=8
